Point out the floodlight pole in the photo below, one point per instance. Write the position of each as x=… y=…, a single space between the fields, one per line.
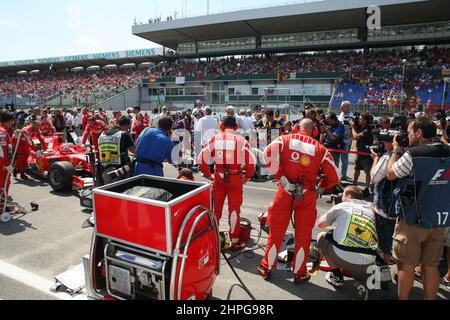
x=446 y=80
x=405 y=62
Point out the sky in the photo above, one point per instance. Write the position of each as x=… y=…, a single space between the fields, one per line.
x=53 y=28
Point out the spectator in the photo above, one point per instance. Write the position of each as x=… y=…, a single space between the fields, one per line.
x=206 y=128
x=247 y=124
x=345 y=118
x=59 y=121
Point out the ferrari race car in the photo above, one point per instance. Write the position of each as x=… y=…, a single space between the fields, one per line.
x=65 y=165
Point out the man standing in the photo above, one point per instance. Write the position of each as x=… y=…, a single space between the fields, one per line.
x=205 y=129
x=46 y=127
x=114 y=146
x=34 y=132
x=271 y=126
x=295 y=160
x=6 y=169
x=334 y=136
x=93 y=131
x=70 y=126
x=77 y=122
x=85 y=119
x=153 y=147
x=229 y=152
x=362 y=133
x=345 y=118
x=246 y=122
x=422 y=212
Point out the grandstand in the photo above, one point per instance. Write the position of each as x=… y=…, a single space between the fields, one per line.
x=319 y=52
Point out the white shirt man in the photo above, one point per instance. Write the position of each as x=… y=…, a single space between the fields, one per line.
x=70 y=120
x=207 y=126
x=247 y=124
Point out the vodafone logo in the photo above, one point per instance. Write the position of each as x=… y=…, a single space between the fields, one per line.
x=295 y=156
x=441 y=177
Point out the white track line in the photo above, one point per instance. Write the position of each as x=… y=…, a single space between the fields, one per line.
x=33 y=281
x=262 y=189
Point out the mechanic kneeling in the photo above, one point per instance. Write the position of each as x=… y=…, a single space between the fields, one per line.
x=114 y=146
x=353 y=243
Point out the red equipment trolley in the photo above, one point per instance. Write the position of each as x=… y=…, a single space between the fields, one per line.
x=147 y=249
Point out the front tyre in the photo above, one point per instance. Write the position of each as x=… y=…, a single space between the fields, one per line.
x=60 y=176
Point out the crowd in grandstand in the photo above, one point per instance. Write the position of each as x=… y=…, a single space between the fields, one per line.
x=78 y=85
x=356 y=64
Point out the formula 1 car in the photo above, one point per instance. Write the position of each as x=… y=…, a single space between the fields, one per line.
x=65 y=165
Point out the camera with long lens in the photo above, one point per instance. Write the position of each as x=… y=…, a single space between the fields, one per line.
x=388 y=136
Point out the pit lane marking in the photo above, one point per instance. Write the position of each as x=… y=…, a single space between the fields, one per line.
x=262 y=189
x=34 y=281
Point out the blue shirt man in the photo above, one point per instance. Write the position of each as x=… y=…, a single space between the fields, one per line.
x=334 y=136
x=153 y=147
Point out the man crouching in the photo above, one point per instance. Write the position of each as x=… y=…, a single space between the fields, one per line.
x=352 y=244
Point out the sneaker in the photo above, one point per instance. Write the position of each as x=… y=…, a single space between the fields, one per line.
x=335 y=281
x=362 y=293
x=302 y=279
x=345 y=178
x=264 y=273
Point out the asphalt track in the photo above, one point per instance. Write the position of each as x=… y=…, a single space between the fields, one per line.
x=38 y=246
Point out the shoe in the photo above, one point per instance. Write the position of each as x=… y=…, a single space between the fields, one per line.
x=446 y=282
x=264 y=273
x=236 y=246
x=334 y=280
x=302 y=279
x=362 y=293
x=23 y=176
x=345 y=178
x=366 y=193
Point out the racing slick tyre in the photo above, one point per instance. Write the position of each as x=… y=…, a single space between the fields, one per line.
x=60 y=176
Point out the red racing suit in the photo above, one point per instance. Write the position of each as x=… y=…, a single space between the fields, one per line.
x=94 y=132
x=229 y=152
x=296 y=159
x=47 y=128
x=138 y=127
x=23 y=150
x=5 y=161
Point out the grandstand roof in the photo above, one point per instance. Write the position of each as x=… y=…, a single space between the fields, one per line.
x=85 y=60
x=297 y=18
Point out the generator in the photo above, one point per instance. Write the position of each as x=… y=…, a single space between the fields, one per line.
x=153 y=245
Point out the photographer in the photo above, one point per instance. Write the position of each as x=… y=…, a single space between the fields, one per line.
x=352 y=244
x=420 y=229
x=385 y=123
x=384 y=204
x=362 y=133
x=114 y=147
x=334 y=133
